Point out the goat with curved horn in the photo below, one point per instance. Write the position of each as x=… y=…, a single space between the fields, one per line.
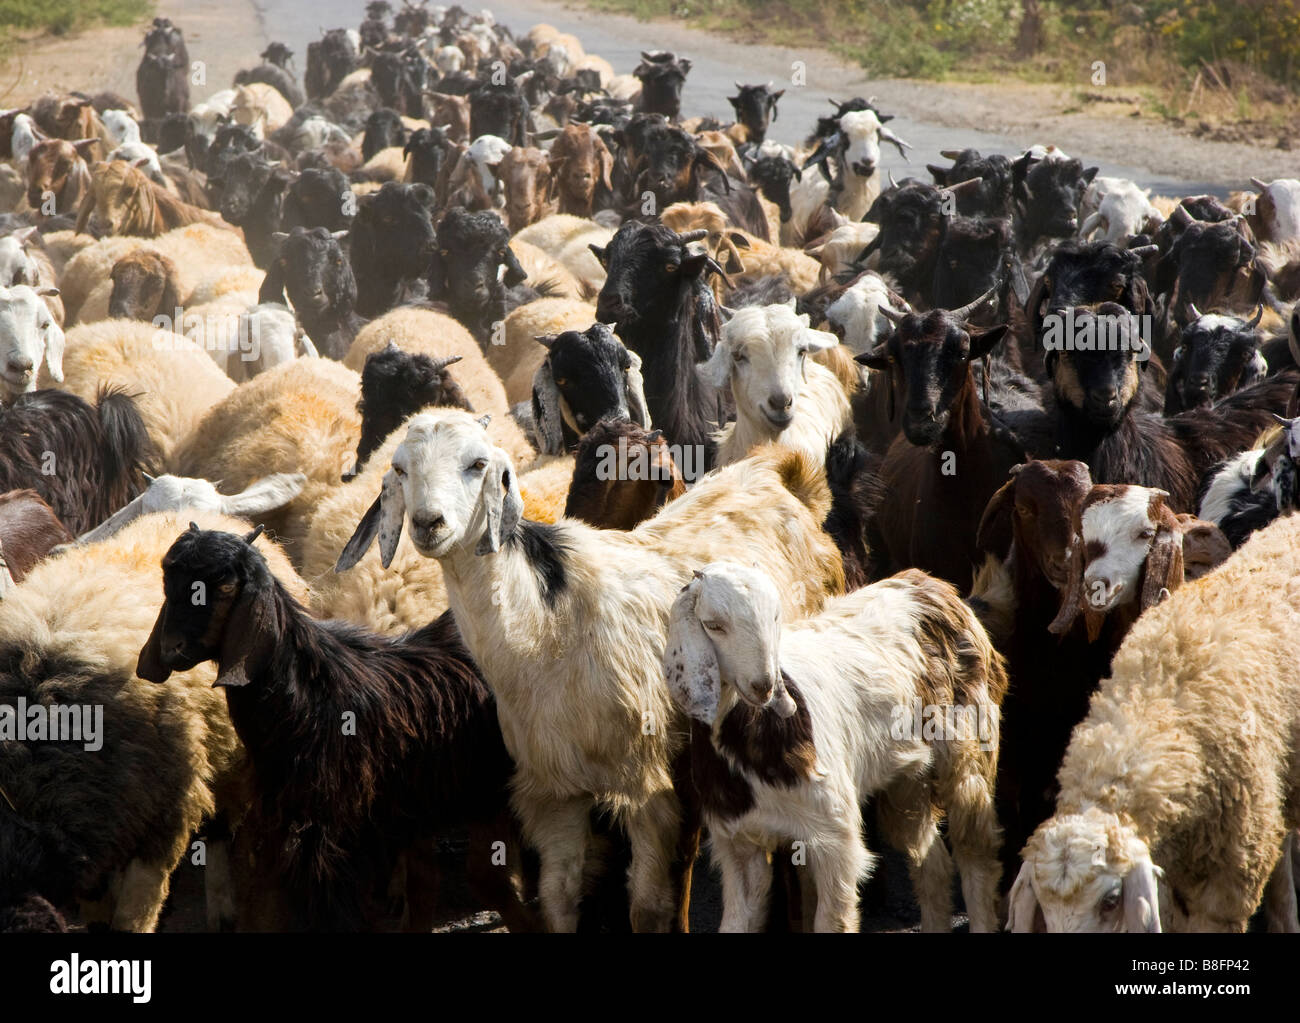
x=1259 y=315
x=961 y=186
x=965 y=311
x=1196 y=313
x=1259 y=185
x=894 y=140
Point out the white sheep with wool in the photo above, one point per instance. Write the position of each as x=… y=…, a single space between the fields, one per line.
x=1180 y=788
x=814 y=717
x=781 y=395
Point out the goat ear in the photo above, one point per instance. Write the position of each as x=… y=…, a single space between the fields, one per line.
x=383 y=519
x=690 y=664
x=248 y=640
x=515 y=273
x=606 y=167
x=877 y=358
x=119 y=519
x=1024 y=915
x=995 y=528
x=266 y=494
x=149 y=665
x=599 y=252
x=983 y=340
x=547 y=415
x=818 y=340
x=54 y=342
x=637 y=408
x=1072 y=595
x=1142 y=897
x=717 y=370
x=503 y=505
x=1164 y=566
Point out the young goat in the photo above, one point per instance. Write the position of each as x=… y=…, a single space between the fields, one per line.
x=806 y=721
x=781 y=397
x=332 y=808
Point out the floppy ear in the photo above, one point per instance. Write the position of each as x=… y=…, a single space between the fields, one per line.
x=1024 y=915
x=113 y=523
x=383 y=519
x=502 y=504
x=149 y=665
x=634 y=383
x=690 y=664
x=1141 y=898
x=706 y=160
x=1164 y=567
x=248 y=640
x=515 y=274
x=1072 y=595
x=546 y=411
x=817 y=340
x=995 y=528
x=54 y=351
x=264 y=495
x=783 y=704
x=717 y=370
x=982 y=339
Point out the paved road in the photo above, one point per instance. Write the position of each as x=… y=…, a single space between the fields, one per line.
x=229 y=35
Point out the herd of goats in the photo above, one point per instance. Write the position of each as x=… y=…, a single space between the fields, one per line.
x=719 y=490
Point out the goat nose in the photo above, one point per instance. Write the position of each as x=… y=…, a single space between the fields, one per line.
x=762 y=691
x=780 y=401
x=426 y=523
x=1107 y=395
x=22 y=364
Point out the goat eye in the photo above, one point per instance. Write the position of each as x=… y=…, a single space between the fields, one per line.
x=561 y=382
x=1110 y=901
x=1023 y=512
x=1146 y=534
x=226 y=589
x=479 y=464
x=739 y=357
x=398 y=472
x=670 y=268
x=713 y=626
x=442 y=253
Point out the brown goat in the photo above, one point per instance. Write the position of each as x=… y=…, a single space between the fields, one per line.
x=59 y=169
x=75 y=118
x=144 y=286
x=28 y=530
x=579 y=161
x=124 y=201
x=529 y=184
x=627 y=498
x=451 y=114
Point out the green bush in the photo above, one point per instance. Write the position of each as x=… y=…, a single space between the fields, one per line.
x=60 y=16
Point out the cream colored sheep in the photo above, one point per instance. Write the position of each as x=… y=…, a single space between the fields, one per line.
x=260 y=107
x=169 y=757
x=297 y=417
x=173 y=380
x=517 y=360
x=566 y=238
x=598 y=64
x=438 y=336
x=61 y=246
x=386 y=165
x=1181 y=785
x=543 y=269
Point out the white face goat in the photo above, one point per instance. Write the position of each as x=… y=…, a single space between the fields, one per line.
x=863 y=134
x=28 y=334
x=453 y=486
x=725 y=633
x=16 y=264
x=762 y=353
x=120 y=126
x=177 y=493
x=858 y=313
x=1085 y=872
x=1121 y=525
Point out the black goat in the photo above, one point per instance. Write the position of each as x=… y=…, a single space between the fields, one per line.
x=1098 y=420
x=755 y=106
x=394 y=386
x=427 y=151
x=86 y=461
x=587 y=376
x=384 y=128
x=252 y=198
x=333 y=807
x=277 y=78
x=1047 y=191
x=465 y=269
x=771 y=175
x=662 y=76
x=499 y=109
x=992 y=196
x=318 y=197
x=162 y=79
x=657 y=295
x=390 y=244
x=329 y=60
x=1217 y=355
x=312 y=267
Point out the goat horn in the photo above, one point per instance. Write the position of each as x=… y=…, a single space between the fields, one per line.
x=1142 y=251
x=1259 y=315
x=950 y=154
x=902 y=146
x=1180 y=216
x=965 y=311
x=1261 y=185
x=892 y=315
x=1196 y=313
x=440 y=364
x=961 y=186
x=687 y=237
x=893 y=181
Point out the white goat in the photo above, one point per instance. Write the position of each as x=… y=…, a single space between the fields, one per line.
x=268 y=335
x=781 y=396
x=120 y=126
x=1277 y=209
x=28 y=335
x=567 y=624
x=839 y=700
x=179 y=493
x=1118 y=209
x=25 y=137
x=858 y=312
